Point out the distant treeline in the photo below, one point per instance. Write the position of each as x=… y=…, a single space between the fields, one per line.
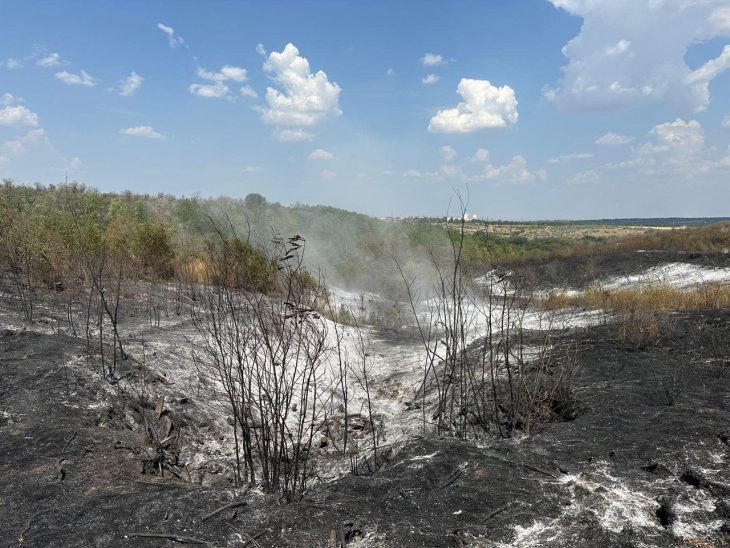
x=637 y=221
x=629 y=221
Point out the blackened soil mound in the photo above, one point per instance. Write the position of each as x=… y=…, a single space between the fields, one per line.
x=580 y=270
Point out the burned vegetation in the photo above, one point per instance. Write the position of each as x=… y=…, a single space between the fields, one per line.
x=171 y=376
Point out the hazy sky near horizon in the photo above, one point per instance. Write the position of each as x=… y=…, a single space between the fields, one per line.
x=540 y=108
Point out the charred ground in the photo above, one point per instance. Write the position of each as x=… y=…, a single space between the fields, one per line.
x=644 y=462
x=576 y=271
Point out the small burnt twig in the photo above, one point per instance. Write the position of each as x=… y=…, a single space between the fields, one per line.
x=21 y=538
x=525 y=465
x=498 y=511
x=538 y=470
x=223 y=509
x=169 y=468
x=68 y=441
x=165 y=483
x=251 y=538
x=452 y=479
x=168 y=536
x=315 y=504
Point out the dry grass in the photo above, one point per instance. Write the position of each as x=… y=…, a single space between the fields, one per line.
x=714 y=238
x=656 y=298
x=567 y=231
x=644 y=317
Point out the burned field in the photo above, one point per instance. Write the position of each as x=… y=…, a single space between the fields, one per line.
x=179 y=381
x=353 y=274
x=641 y=460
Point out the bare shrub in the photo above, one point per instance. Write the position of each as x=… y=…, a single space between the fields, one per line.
x=267 y=351
x=482 y=375
x=641 y=328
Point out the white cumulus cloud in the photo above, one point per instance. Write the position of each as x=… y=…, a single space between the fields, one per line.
x=679 y=135
x=432 y=60
x=227 y=72
x=304 y=98
x=26 y=125
x=142 y=131
x=629 y=52
x=218 y=89
x=671 y=152
x=726 y=122
x=483 y=106
x=677 y=145
x=71 y=79
x=711 y=69
x=210 y=91
x=430 y=79
x=130 y=84
x=675 y=150
x=17 y=115
x=51 y=60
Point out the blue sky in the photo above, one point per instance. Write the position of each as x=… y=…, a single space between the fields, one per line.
x=536 y=108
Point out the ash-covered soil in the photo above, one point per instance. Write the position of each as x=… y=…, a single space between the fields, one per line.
x=577 y=272
x=645 y=463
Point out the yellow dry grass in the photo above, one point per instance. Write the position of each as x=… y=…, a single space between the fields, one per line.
x=194 y=270
x=651 y=298
x=644 y=316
